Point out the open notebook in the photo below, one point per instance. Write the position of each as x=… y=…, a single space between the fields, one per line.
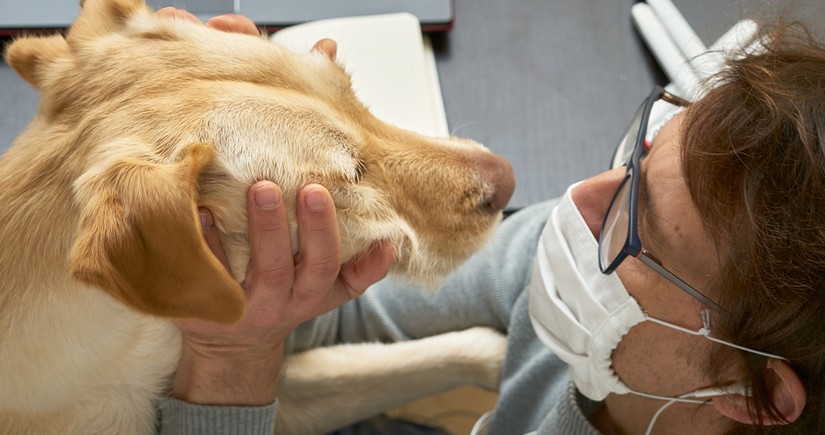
x=391 y=63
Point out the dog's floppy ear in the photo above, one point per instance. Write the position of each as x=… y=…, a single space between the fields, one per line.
x=139 y=238
x=29 y=56
x=101 y=17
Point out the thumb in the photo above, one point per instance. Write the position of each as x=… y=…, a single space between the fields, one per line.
x=366 y=270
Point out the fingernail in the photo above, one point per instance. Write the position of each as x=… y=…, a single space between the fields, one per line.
x=316 y=200
x=266 y=198
x=206 y=220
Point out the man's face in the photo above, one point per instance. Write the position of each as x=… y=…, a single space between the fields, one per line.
x=651 y=358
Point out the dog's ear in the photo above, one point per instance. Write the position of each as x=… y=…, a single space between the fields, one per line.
x=29 y=56
x=139 y=239
x=102 y=17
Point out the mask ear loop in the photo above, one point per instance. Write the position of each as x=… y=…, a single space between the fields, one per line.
x=657 y=414
x=739 y=388
x=705 y=332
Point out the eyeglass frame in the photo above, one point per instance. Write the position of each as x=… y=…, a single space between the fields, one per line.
x=633 y=244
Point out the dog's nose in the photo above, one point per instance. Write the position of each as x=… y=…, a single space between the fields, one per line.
x=499 y=174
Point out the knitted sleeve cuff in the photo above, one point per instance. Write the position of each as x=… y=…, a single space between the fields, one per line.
x=176 y=417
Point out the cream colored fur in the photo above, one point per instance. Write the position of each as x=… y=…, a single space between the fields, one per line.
x=142 y=120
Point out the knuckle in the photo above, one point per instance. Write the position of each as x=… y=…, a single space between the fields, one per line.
x=276 y=274
x=321 y=230
x=310 y=301
x=269 y=222
x=307 y=303
x=324 y=266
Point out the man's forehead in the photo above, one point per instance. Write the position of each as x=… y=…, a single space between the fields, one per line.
x=673 y=222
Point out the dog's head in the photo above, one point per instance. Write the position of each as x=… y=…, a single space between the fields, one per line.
x=152 y=118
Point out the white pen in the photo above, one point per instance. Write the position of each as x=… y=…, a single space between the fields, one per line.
x=738 y=39
x=678 y=28
x=669 y=56
x=734 y=40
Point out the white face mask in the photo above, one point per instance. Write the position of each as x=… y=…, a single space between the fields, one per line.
x=582 y=314
x=577 y=311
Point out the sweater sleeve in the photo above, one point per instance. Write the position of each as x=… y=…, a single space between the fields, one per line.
x=176 y=417
x=482 y=292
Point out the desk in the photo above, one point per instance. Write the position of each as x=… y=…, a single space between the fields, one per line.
x=549 y=84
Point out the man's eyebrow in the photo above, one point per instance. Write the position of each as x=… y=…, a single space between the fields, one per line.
x=649 y=215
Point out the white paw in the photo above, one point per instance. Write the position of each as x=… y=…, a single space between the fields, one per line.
x=483 y=350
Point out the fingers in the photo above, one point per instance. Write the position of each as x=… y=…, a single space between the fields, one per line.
x=370 y=268
x=233 y=23
x=319 y=264
x=326 y=46
x=228 y=23
x=270 y=242
x=180 y=14
x=210 y=233
x=320 y=255
x=312 y=281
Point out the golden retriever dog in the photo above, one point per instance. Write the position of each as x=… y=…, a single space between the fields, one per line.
x=142 y=120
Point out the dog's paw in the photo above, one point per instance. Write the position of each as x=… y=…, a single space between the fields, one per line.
x=483 y=350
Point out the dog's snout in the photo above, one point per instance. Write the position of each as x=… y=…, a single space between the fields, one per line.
x=499 y=175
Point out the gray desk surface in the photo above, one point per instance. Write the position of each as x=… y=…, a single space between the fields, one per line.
x=549 y=84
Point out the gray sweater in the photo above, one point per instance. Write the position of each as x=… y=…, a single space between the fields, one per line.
x=488 y=290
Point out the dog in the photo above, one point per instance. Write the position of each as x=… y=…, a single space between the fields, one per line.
x=141 y=121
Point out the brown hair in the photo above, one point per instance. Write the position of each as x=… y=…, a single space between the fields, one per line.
x=754 y=162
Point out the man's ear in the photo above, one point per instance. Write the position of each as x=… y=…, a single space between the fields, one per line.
x=787 y=393
x=139 y=239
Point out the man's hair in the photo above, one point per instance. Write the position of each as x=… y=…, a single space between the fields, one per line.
x=754 y=162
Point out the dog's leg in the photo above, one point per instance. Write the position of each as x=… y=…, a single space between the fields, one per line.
x=328 y=388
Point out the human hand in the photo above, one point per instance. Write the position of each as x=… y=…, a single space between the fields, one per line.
x=239 y=364
x=239 y=24
x=228 y=22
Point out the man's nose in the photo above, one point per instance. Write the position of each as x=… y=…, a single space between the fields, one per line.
x=593 y=196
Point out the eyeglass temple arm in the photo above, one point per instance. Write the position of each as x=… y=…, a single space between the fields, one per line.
x=654 y=264
x=673 y=99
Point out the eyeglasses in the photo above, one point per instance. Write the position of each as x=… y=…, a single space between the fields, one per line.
x=619 y=237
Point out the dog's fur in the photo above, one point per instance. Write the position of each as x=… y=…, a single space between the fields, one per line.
x=142 y=120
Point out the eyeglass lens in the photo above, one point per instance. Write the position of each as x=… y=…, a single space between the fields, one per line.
x=626 y=146
x=614 y=233
x=616 y=225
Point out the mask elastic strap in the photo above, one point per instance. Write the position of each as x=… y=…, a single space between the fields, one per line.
x=738 y=388
x=684 y=398
x=657 y=414
x=681 y=399
x=705 y=332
